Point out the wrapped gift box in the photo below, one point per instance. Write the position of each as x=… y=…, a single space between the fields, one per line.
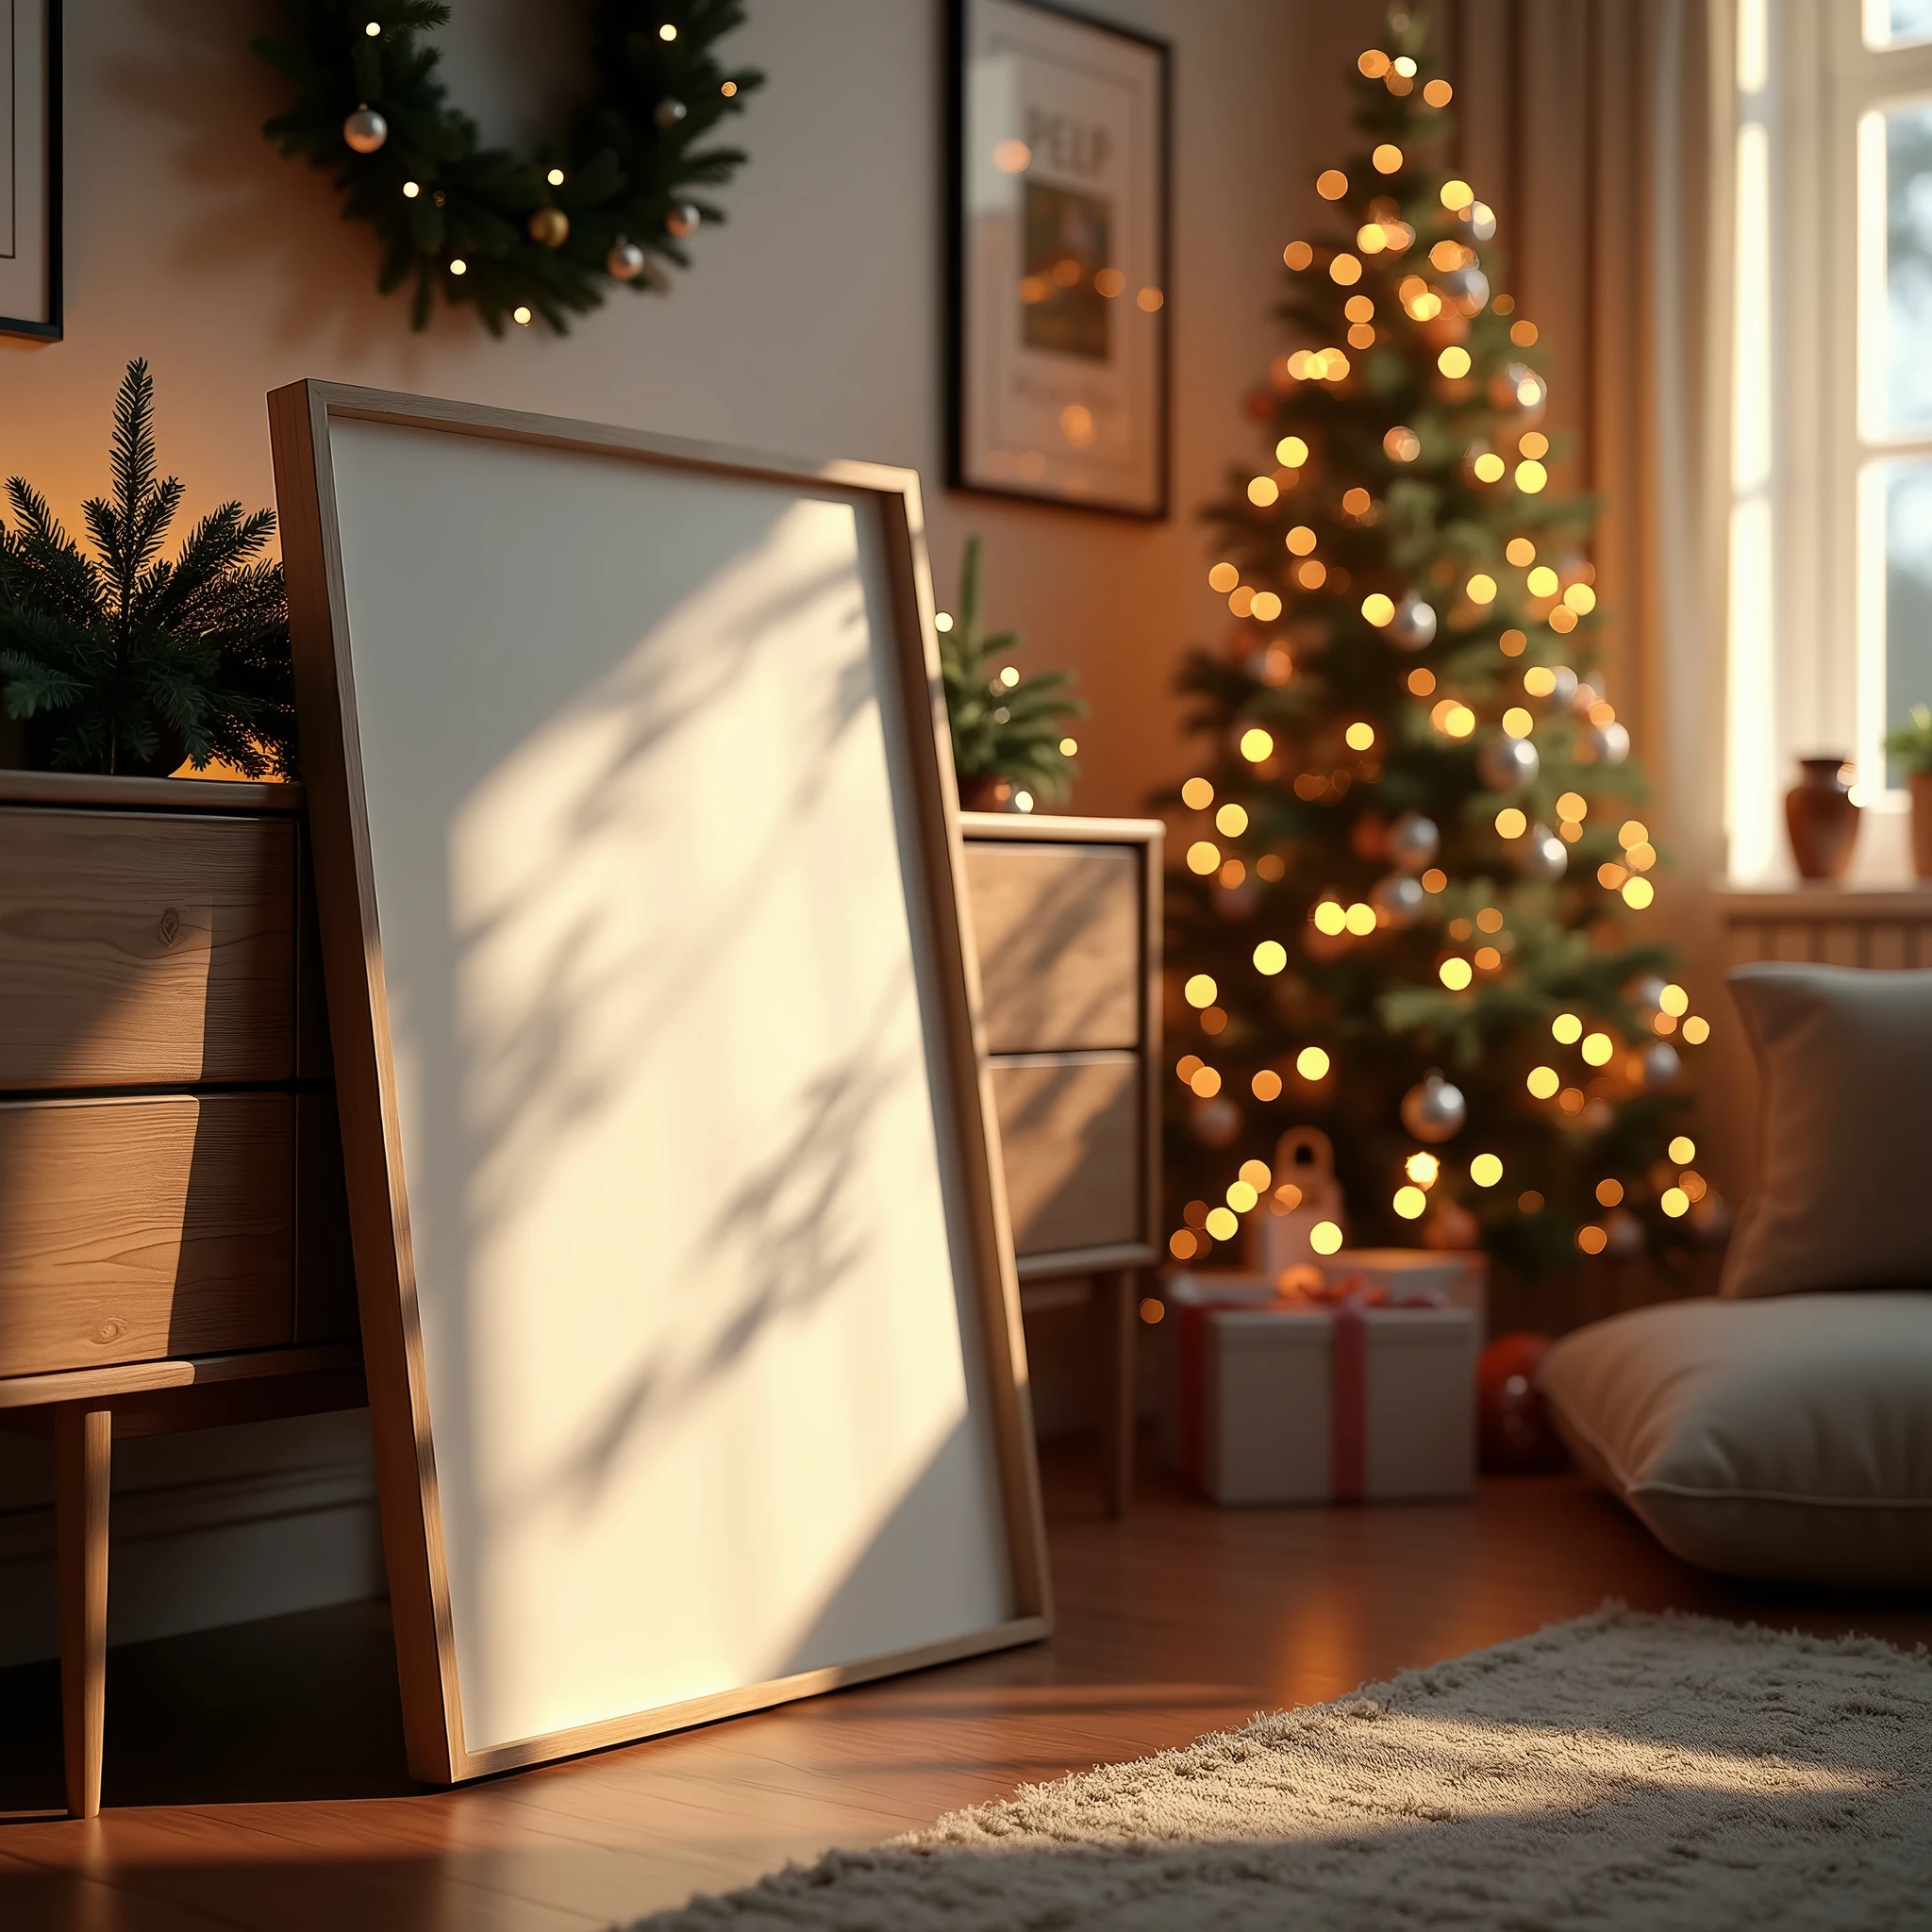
x=1459 y=1277
x=1277 y=1401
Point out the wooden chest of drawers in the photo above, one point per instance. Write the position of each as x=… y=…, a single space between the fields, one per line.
x=169 y=1165
x=1066 y=916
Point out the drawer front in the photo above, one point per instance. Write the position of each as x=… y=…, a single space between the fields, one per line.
x=146 y=949
x=132 y=1229
x=1070 y=1130
x=1061 y=938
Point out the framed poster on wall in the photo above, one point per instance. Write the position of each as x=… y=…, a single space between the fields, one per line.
x=30 y=169
x=1061 y=305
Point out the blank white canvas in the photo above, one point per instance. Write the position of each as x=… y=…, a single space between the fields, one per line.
x=703 y=1378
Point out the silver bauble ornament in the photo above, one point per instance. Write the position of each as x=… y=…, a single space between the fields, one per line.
x=1412 y=842
x=1661 y=1064
x=1214 y=1122
x=1563 y=694
x=1508 y=764
x=626 y=261
x=1542 y=855
x=1608 y=744
x=1623 y=1233
x=1467 y=288
x=1517 y=385
x=1433 y=1110
x=1648 y=993
x=683 y=220
x=365 y=130
x=1399 y=897
x=669 y=112
x=1413 y=626
x=1482 y=221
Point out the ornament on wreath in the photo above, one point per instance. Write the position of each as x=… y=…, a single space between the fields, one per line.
x=1509 y=764
x=1412 y=842
x=1413 y=626
x=1542 y=855
x=365 y=130
x=1433 y=1110
x=456 y=218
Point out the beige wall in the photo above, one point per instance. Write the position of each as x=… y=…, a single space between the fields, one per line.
x=811 y=324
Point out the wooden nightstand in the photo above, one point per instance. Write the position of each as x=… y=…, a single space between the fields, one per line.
x=175 y=1250
x=1066 y=916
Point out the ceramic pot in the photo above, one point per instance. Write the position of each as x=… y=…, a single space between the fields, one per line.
x=1921 y=824
x=1822 y=819
x=984 y=792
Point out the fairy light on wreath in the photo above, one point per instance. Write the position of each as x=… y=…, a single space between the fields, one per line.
x=518 y=241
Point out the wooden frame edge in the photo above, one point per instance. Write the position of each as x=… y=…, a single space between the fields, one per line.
x=694 y=1711
x=299 y=417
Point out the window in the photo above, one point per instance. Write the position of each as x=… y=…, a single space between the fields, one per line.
x=1831 y=462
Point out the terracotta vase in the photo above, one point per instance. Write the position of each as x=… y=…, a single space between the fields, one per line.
x=984 y=792
x=1822 y=819
x=1921 y=824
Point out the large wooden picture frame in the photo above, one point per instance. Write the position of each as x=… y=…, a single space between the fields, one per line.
x=688 y=1298
x=1059 y=310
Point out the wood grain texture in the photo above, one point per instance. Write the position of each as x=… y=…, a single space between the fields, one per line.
x=1059 y=930
x=136 y=1379
x=88 y=788
x=144 y=949
x=144 y=1228
x=1070 y=1125
x=287 y=1805
x=912 y=709
x=83 y=1458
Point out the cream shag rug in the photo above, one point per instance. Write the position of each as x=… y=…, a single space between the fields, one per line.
x=1620 y=1770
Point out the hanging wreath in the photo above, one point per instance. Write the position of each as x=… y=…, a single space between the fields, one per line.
x=515 y=239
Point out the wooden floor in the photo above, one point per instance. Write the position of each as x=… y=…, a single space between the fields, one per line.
x=255 y=1776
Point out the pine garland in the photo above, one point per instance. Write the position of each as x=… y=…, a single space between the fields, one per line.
x=480 y=225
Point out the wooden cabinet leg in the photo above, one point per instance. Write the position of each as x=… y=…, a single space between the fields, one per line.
x=1119 y=1311
x=83 y=1453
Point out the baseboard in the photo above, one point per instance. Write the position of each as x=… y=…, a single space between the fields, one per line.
x=219 y=1527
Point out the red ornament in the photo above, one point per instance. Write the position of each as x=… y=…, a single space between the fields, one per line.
x=1513 y=1428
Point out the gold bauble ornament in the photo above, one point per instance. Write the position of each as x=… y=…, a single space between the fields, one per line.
x=550 y=226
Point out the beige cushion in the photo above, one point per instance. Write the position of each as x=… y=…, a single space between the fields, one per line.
x=1790 y=1437
x=1846 y=1117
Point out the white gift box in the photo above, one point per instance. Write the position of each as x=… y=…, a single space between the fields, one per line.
x=1270 y=1401
x=1459 y=1277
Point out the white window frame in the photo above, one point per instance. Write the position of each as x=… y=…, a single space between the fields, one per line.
x=1807 y=645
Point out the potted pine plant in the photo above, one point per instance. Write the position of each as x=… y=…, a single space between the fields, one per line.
x=130 y=663
x=1911 y=745
x=1010 y=750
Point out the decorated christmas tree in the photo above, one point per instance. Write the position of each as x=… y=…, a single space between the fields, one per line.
x=1414 y=847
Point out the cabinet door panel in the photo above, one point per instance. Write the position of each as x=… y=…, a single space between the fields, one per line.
x=1070 y=1130
x=1059 y=933
x=146 y=949
x=138 y=1228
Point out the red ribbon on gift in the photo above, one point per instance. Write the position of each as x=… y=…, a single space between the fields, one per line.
x=1347 y=1303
